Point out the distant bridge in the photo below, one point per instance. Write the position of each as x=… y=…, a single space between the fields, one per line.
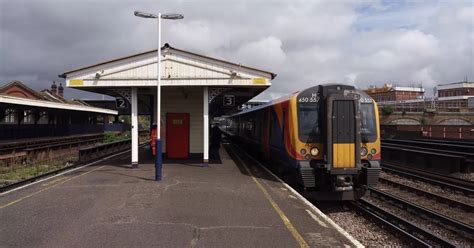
x=425 y=118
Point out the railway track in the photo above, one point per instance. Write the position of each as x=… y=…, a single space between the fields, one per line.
x=455 y=184
x=439 y=198
x=30 y=180
x=22 y=151
x=409 y=232
x=461 y=228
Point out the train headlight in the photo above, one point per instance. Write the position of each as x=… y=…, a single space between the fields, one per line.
x=363 y=151
x=373 y=151
x=314 y=151
x=303 y=151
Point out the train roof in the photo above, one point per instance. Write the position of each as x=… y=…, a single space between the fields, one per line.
x=288 y=97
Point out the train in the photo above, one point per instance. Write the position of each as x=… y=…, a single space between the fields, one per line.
x=323 y=141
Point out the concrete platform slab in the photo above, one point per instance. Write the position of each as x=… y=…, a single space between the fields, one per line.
x=110 y=205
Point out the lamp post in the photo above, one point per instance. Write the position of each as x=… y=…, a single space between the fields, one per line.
x=158 y=159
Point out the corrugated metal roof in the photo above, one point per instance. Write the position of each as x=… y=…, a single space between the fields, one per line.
x=167 y=46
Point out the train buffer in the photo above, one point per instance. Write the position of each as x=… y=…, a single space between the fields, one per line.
x=234 y=203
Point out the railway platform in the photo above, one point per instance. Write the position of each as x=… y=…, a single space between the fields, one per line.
x=234 y=203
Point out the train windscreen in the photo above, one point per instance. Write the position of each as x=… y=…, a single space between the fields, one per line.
x=308 y=123
x=368 y=124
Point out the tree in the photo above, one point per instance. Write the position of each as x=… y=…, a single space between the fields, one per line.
x=387 y=110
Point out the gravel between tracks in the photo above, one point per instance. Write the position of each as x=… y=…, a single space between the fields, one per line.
x=428 y=187
x=465 y=176
x=365 y=231
x=429 y=225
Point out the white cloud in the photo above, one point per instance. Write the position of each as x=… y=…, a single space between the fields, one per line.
x=466 y=15
x=304 y=42
x=262 y=52
x=196 y=36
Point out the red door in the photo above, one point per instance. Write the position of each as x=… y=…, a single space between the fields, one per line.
x=177 y=135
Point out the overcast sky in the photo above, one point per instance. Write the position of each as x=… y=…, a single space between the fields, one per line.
x=366 y=42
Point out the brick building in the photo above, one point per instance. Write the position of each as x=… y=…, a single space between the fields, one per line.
x=26 y=113
x=453 y=97
x=456 y=96
x=395 y=93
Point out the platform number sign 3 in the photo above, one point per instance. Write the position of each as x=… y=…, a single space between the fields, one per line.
x=121 y=103
x=229 y=100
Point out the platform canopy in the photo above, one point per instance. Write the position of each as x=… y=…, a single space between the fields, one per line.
x=178 y=68
x=195 y=88
x=11 y=100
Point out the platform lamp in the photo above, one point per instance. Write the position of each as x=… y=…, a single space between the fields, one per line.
x=158 y=159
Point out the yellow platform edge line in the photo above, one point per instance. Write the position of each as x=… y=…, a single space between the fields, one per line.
x=275 y=206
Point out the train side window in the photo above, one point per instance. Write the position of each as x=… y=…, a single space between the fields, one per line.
x=283 y=126
x=249 y=128
x=270 y=123
x=265 y=123
x=258 y=125
x=276 y=130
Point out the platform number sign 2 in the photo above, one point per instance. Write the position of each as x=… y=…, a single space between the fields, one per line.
x=229 y=100
x=121 y=103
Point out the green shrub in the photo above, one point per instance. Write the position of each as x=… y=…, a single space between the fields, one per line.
x=387 y=110
x=110 y=137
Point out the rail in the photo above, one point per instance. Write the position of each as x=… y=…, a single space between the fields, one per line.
x=414 y=235
x=88 y=154
x=454 y=142
x=46 y=152
x=27 y=143
x=427 y=144
x=438 y=198
x=41 y=152
x=452 y=183
x=48 y=174
x=455 y=224
x=423 y=158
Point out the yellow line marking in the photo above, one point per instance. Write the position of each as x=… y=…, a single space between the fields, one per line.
x=44 y=189
x=275 y=206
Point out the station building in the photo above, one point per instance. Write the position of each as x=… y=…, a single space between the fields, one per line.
x=194 y=89
x=49 y=112
x=456 y=95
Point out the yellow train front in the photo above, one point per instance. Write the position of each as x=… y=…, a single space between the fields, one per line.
x=323 y=141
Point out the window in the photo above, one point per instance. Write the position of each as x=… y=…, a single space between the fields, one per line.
x=10 y=116
x=308 y=123
x=368 y=125
x=28 y=117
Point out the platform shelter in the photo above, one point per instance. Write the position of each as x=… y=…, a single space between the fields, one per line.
x=195 y=88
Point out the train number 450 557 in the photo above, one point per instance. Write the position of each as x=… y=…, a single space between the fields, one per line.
x=308 y=99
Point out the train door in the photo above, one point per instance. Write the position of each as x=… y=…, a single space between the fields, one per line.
x=343 y=134
x=177 y=135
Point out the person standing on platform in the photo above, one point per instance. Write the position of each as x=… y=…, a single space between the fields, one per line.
x=216 y=136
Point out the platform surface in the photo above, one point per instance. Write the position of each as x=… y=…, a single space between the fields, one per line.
x=111 y=205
